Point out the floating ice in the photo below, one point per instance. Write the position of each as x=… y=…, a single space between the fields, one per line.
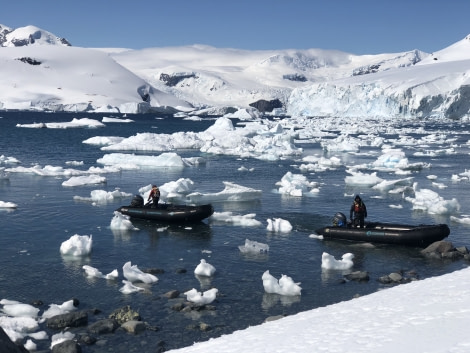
x=56 y=309
x=121 y=222
x=8 y=160
x=196 y=297
x=18 y=328
x=133 y=274
x=319 y=164
x=103 y=196
x=463 y=220
x=84 y=180
x=123 y=160
x=362 y=179
x=129 y=288
x=103 y=140
x=49 y=170
x=20 y=310
x=342 y=143
x=61 y=337
x=297 y=185
x=328 y=262
x=387 y=185
x=279 y=225
x=77 y=245
x=285 y=285
x=231 y=192
x=116 y=120
x=238 y=220
x=255 y=247
x=75 y=123
x=204 y=269
x=92 y=272
x=429 y=201
x=4 y=204
x=397 y=160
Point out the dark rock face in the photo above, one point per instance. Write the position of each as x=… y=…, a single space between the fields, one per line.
x=174 y=79
x=365 y=70
x=294 y=77
x=266 y=106
x=7 y=346
x=30 y=61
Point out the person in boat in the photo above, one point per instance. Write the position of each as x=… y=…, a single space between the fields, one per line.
x=154 y=196
x=359 y=210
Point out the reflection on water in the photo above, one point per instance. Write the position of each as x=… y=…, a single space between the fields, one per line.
x=270 y=300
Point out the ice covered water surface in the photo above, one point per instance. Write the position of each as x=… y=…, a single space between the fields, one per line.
x=49 y=214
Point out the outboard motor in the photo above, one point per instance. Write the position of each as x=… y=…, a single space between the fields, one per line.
x=137 y=201
x=340 y=220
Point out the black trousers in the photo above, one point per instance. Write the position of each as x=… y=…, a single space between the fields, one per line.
x=358 y=220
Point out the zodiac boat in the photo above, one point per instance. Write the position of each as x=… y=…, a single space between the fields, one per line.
x=166 y=212
x=388 y=233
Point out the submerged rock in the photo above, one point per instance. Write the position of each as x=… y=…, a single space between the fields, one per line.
x=73 y=319
x=125 y=314
x=103 y=326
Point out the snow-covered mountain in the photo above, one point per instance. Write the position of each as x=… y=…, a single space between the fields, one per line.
x=42 y=71
x=211 y=76
x=28 y=35
x=45 y=74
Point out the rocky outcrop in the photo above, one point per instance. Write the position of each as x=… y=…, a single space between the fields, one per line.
x=173 y=79
x=266 y=106
x=445 y=250
x=295 y=77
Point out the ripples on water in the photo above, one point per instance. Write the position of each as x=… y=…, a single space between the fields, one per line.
x=47 y=215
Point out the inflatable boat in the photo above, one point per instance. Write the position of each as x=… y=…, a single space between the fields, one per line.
x=388 y=233
x=166 y=212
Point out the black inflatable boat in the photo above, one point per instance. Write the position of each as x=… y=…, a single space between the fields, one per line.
x=375 y=232
x=166 y=212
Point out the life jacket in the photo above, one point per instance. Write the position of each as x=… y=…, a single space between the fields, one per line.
x=358 y=207
x=155 y=193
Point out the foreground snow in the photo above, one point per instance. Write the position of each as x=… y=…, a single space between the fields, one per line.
x=431 y=315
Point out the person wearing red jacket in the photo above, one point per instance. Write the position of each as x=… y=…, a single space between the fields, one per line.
x=154 y=196
x=358 y=208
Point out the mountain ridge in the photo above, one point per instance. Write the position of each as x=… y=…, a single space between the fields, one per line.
x=308 y=82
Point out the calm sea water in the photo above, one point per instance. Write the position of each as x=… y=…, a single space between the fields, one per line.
x=30 y=236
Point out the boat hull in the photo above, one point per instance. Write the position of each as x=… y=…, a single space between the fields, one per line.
x=169 y=213
x=386 y=233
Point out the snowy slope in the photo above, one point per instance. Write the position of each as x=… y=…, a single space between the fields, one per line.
x=211 y=76
x=72 y=79
x=43 y=72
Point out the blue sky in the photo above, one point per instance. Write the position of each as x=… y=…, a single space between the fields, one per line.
x=355 y=26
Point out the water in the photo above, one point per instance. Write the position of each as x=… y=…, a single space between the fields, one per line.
x=32 y=267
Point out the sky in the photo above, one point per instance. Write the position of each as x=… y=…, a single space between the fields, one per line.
x=358 y=27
